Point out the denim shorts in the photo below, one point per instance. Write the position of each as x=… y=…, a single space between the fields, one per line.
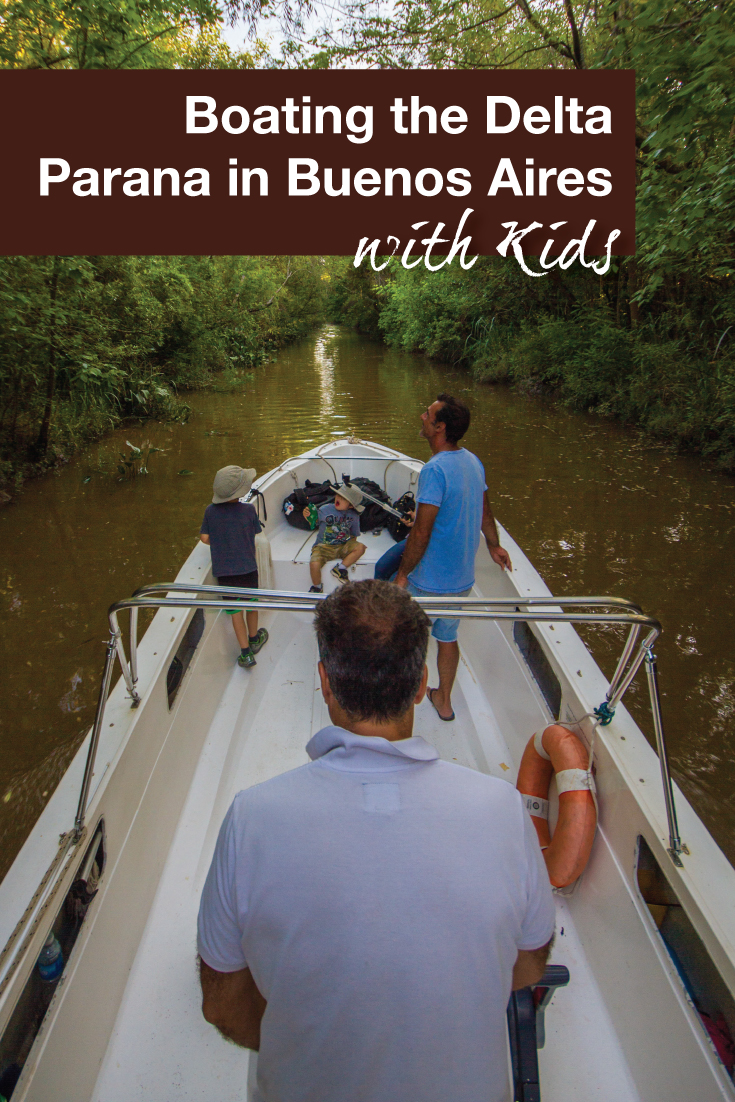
x=443 y=629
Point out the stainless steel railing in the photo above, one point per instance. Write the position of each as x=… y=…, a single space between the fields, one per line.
x=545 y=609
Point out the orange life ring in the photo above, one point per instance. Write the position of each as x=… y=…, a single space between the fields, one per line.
x=557 y=750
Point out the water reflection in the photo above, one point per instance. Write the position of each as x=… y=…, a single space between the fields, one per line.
x=324 y=353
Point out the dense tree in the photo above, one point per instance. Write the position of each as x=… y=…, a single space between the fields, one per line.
x=356 y=297
x=651 y=342
x=131 y=34
x=96 y=34
x=86 y=341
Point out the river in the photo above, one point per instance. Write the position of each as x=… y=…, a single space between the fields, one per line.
x=598 y=509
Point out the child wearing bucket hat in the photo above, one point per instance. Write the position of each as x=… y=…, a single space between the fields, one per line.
x=339 y=527
x=229 y=528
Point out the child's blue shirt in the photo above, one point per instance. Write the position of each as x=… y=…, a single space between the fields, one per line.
x=232 y=528
x=336 y=527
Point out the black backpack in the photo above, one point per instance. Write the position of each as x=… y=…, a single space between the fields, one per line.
x=372 y=515
x=312 y=493
x=397 y=529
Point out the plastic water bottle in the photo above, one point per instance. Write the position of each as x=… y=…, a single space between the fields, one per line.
x=51 y=960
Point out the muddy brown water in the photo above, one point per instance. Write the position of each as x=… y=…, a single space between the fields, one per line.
x=597 y=509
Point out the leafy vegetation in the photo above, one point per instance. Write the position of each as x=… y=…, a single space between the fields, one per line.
x=135 y=462
x=101 y=34
x=88 y=341
x=653 y=341
x=129 y=34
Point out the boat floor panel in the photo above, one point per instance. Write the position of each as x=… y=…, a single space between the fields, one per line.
x=161 y=1047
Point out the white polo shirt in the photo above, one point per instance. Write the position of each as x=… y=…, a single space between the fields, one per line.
x=379 y=897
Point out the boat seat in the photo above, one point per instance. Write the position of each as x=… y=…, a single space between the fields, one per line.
x=375 y=546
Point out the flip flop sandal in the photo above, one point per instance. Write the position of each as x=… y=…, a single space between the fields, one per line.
x=446 y=719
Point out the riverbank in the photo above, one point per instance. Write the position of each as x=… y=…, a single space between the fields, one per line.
x=587 y=363
x=665 y=365
x=597 y=509
x=91 y=343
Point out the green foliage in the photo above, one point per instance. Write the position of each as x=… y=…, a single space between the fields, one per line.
x=572 y=337
x=585 y=359
x=204 y=48
x=671 y=391
x=356 y=296
x=135 y=462
x=652 y=341
x=88 y=341
x=96 y=34
x=134 y=34
x=440 y=34
x=684 y=54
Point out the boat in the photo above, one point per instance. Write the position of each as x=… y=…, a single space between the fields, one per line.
x=637 y=1004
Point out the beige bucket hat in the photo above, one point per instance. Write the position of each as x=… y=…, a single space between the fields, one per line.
x=353 y=495
x=232 y=482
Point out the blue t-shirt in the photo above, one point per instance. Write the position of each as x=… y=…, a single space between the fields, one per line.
x=232 y=528
x=336 y=527
x=455 y=481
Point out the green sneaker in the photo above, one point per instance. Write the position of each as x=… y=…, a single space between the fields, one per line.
x=257 y=642
x=247 y=659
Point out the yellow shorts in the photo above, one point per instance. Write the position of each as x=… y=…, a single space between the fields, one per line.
x=326 y=552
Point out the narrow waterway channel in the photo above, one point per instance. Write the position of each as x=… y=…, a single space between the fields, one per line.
x=597 y=509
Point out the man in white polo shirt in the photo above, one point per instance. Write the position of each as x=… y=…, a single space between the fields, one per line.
x=366 y=915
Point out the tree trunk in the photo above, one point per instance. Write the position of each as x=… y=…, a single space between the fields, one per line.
x=632 y=288
x=619 y=293
x=39 y=449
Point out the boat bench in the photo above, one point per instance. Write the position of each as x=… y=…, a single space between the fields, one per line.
x=295 y=545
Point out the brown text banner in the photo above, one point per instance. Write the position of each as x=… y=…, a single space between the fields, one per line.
x=299 y=162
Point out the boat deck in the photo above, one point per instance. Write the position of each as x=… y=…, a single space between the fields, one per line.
x=125 y=1021
x=161 y=1047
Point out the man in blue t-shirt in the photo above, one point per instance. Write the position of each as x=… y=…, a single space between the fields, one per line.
x=452 y=509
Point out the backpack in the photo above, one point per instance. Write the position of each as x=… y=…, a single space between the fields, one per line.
x=312 y=493
x=397 y=529
x=372 y=515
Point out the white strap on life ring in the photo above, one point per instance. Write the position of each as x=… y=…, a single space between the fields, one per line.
x=539 y=746
x=575 y=780
x=535 y=805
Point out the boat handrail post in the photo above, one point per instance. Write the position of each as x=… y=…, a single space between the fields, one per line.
x=127 y=675
x=134 y=645
x=675 y=846
x=614 y=698
x=95 y=737
x=623 y=661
